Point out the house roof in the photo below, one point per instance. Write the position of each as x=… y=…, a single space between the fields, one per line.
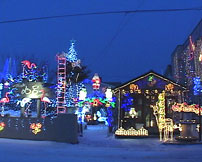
x=146 y=75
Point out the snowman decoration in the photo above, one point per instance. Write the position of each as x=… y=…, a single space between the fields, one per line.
x=108 y=94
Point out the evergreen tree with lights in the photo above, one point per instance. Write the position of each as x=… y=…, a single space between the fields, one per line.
x=76 y=73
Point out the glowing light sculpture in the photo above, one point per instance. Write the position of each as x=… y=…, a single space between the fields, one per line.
x=165 y=125
x=96 y=82
x=4 y=101
x=184 y=107
x=36 y=128
x=2 y=126
x=131 y=132
x=45 y=100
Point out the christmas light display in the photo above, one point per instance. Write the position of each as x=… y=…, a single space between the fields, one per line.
x=133 y=113
x=165 y=125
x=30 y=69
x=131 y=132
x=127 y=102
x=4 y=101
x=197 y=88
x=169 y=87
x=82 y=94
x=134 y=88
x=72 y=54
x=45 y=100
x=97 y=102
x=2 y=126
x=151 y=81
x=184 y=107
x=108 y=94
x=200 y=56
x=36 y=128
x=61 y=87
x=74 y=71
x=96 y=82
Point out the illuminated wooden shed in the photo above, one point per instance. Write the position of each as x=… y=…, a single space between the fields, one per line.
x=136 y=98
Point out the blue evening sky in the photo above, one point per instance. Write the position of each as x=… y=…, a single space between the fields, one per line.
x=144 y=41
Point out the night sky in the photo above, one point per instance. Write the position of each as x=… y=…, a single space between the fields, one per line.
x=118 y=47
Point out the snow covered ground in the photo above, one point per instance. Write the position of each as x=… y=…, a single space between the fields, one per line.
x=96 y=146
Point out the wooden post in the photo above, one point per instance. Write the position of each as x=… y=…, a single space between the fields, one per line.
x=38 y=108
x=22 y=111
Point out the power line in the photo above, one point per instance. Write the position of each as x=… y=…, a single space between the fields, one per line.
x=119 y=29
x=103 y=13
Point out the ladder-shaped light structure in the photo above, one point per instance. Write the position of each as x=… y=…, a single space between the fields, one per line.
x=61 y=88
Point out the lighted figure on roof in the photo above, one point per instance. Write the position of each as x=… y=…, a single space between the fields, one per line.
x=200 y=56
x=151 y=81
x=96 y=82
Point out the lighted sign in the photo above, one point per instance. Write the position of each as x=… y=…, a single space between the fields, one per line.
x=131 y=132
x=184 y=107
x=31 y=90
x=36 y=127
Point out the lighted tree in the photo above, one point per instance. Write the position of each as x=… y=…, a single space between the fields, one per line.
x=76 y=73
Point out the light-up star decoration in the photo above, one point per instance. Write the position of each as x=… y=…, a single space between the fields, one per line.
x=2 y=126
x=36 y=127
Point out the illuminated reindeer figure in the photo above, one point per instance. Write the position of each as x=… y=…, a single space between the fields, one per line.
x=165 y=125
